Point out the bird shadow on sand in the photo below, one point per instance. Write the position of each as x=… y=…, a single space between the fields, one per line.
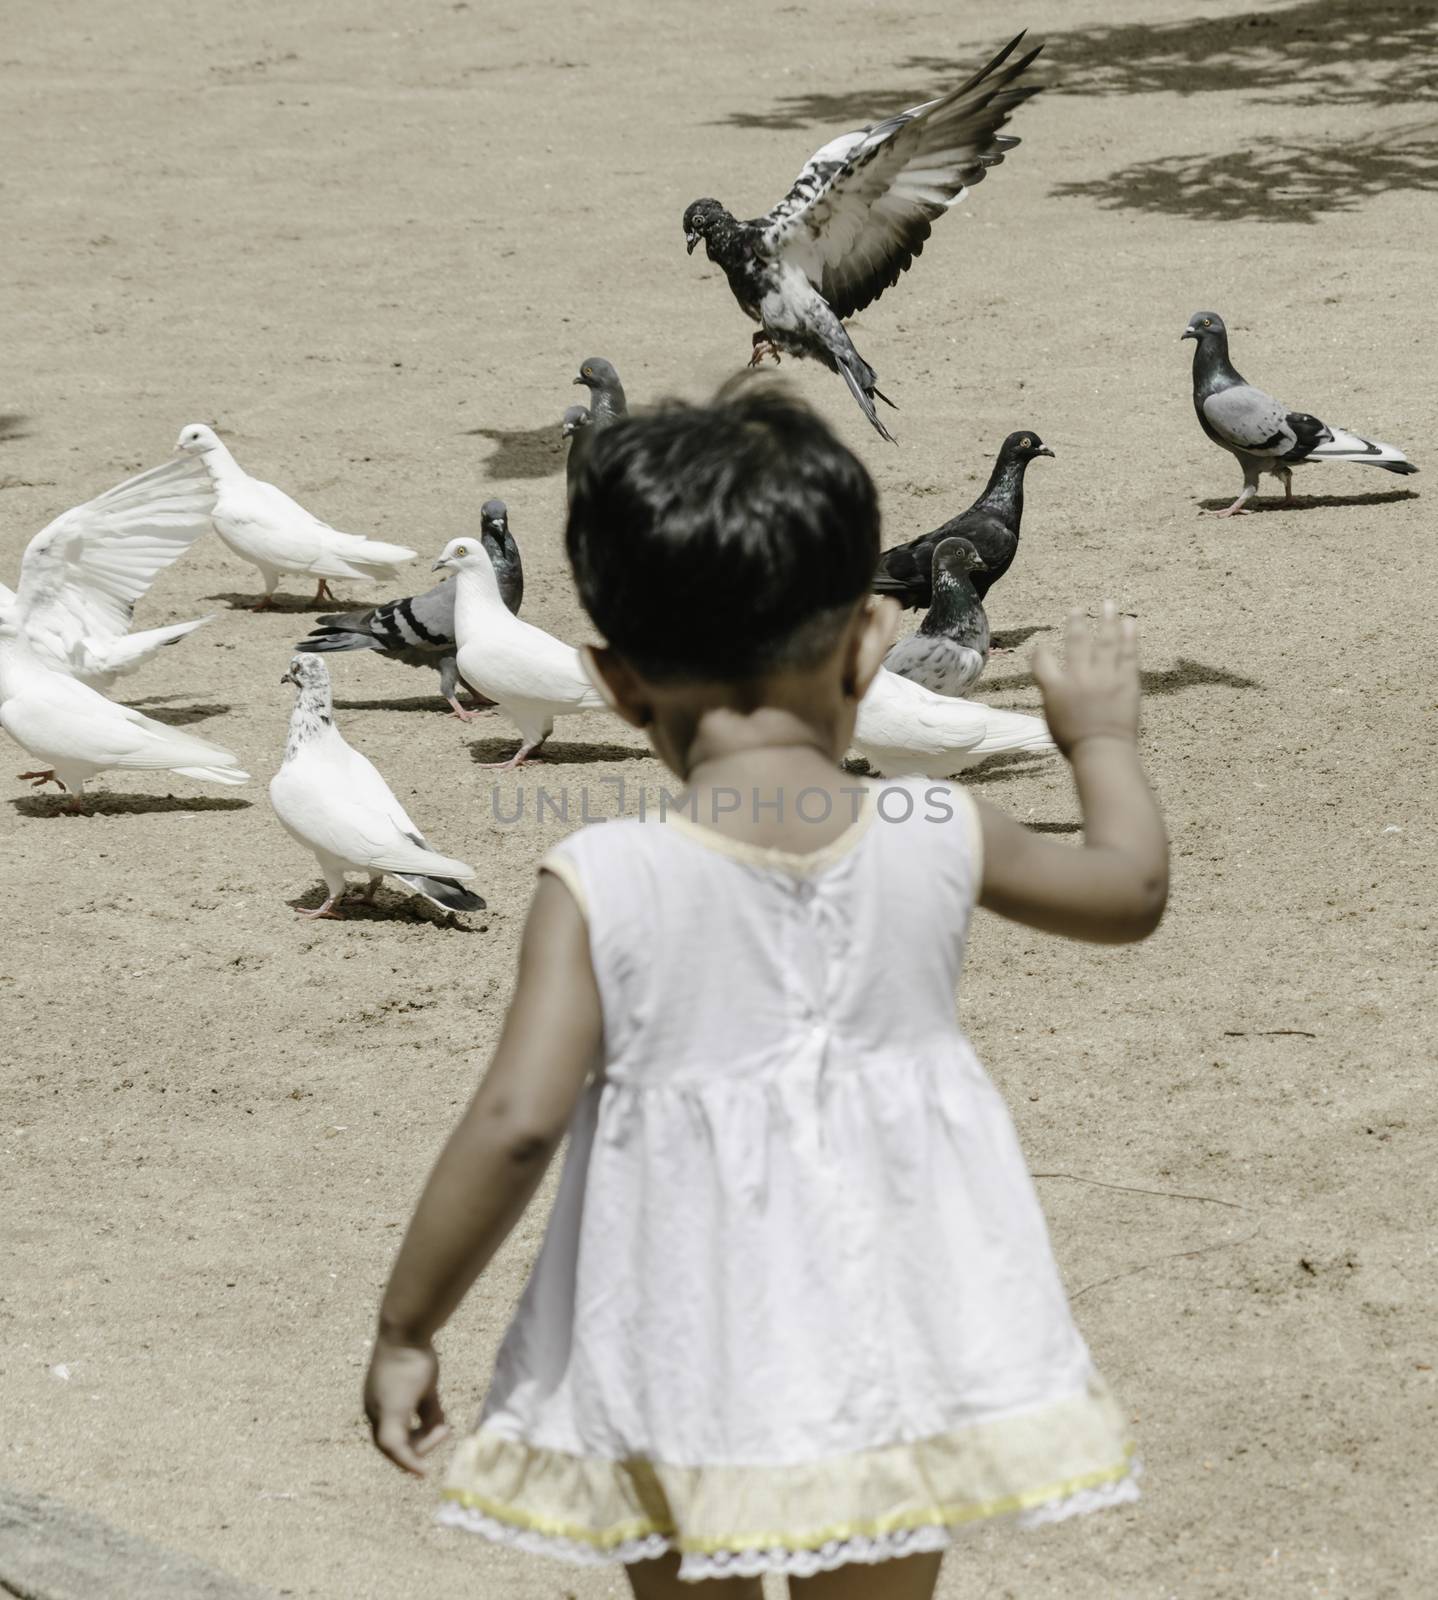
x=1269 y=181
x=562 y=755
x=1183 y=674
x=1012 y=638
x=522 y=452
x=125 y=805
x=1003 y=768
x=433 y=704
x=12 y=425
x=1313 y=502
x=388 y=905
x=1054 y=827
x=155 y=708
x=286 y=603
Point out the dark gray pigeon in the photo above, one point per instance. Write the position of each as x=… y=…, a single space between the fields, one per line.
x=991 y=525
x=419 y=631
x=856 y=217
x=606 y=393
x=574 y=427
x=951 y=649
x=1260 y=431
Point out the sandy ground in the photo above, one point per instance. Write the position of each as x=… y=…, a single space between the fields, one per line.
x=371 y=243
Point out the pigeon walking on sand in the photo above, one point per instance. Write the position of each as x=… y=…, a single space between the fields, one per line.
x=419 y=631
x=606 y=392
x=529 y=674
x=261 y=524
x=76 y=732
x=331 y=799
x=904 y=728
x=82 y=575
x=856 y=217
x=991 y=525
x=951 y=649
x=1261 y=432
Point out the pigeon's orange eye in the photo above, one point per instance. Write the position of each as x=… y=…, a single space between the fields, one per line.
x=1207 y=322
x=461 y=550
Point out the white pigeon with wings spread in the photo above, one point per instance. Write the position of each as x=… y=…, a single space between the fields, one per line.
x=82 y=575
x=856 y=217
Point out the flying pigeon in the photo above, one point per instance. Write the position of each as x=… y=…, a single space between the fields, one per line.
x=951 y=649
x=905 y=728
x=991 y=525
x=77 y=732
x=330 y=798
x=856 y=217
x=419 y=631
x=529 y=674
x=82 y=575
x=1259 y=430
x=575 y=426
x=264 y=526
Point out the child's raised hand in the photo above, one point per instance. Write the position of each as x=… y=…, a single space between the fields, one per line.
x=403 y=1383
x=1094 y=692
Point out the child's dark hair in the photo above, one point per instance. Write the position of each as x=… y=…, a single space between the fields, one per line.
x=722 y=541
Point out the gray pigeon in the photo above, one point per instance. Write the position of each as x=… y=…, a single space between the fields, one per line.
x=1260 y=431
x=606 y=393
x=856 y=217
x=574 y=427
x=951 y=649
x=419 y=631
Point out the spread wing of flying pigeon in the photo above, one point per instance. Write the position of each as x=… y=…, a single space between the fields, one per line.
x=857 y=216
x=82 y=575
x=1261 y=432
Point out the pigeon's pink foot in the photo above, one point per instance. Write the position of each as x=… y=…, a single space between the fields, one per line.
x=38 y=780
x=326 y=910
x=1236 y=510
x=521 y=757
x=322 y=593
x=264 y=603
x=763 y=346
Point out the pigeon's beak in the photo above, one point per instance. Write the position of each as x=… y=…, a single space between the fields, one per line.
x=442 y=562
x=690 y=240
x=289 y=677
x=1188 y=333
x=581 y=379
x=1043 y=450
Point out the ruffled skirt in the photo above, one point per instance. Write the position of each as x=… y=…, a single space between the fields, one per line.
x=1053 y=1461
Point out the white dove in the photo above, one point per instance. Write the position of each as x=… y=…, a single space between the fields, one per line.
x=78 y=732
x=276 y=534
x=906 y=728
x=82 y=574
x=529 y=674
x=330 y=798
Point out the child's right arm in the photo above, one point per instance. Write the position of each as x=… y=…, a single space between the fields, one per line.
x=1113 y=889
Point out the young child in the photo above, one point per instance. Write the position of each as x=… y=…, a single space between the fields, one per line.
x=796 y=1310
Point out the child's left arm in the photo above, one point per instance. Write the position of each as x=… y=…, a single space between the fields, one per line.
x=487 y=1172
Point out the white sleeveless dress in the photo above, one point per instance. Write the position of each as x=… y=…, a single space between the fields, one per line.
x=796 y=1304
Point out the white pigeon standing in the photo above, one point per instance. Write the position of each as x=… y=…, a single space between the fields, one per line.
x=77 y=732
x=905 y=728
x=82 y=574
x=261 y=524
x=529 y=674
x=331 y=799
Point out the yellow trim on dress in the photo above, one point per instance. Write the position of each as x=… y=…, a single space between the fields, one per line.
x=796 y=861
x=568 y=874
x=899 y=1522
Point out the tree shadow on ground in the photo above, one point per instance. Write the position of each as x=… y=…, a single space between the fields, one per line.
x=1314 y=502
x=1318 y=52
x=154 y=707
x=523 y=452
x=1269 y=182
x=390 y=905
x=105 y=804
